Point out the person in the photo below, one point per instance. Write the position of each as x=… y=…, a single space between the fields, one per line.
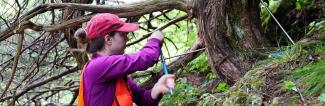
x=104 y=80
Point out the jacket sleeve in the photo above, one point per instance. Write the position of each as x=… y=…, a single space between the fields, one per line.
x=141 y=96
x=111 y=67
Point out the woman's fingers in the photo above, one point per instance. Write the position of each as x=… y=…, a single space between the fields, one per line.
x=157 y=34
x=163 y=79
x=170 y=82
x=167 y=81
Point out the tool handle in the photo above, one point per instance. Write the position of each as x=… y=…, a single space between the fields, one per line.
x=165 y=69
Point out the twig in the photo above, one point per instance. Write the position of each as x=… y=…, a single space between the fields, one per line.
x=152 y=18
x=166 y=49
x=160 y=28
x=4 y=20
x=19 y=10
x=302 y=100
x=172 y=42
x=23 y=50
x=37 y=63
x=75 y=95
x=198 y=50
x=32 y=86
x=14 y=66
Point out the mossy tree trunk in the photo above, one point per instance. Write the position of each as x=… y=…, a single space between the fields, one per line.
x=230 y=29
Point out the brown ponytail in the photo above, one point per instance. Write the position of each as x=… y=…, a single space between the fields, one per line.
x=82 y=40
x=90 y=46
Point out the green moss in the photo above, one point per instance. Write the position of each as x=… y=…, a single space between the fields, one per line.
x=312 y=77
x=251 y=83
x=241 y=98
x=238 y=31
x=249 y=89
x=212 y=99
x=235 y=98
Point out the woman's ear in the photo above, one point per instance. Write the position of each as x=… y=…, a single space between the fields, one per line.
x=108 y=40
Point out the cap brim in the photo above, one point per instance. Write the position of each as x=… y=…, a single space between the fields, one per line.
x=128 y=27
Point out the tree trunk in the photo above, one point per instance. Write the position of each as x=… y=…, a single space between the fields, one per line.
x=230 y=29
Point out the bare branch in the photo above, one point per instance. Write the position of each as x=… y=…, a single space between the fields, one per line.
x=129 y=10
x=5 y=21
x=152 y=18
x=19 y=9
x=160 y=28
x=172 y=42
x=39 y=60
x=32 y=86
x=19 y=46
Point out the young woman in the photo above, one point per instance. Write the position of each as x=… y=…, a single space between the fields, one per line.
x=104 y=80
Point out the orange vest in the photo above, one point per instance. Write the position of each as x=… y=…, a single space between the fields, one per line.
x=123 y=94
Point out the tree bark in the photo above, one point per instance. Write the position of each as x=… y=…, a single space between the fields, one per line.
x=230 y=29
x=245 y=23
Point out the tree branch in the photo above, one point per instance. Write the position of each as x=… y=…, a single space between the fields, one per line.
x=160 y=28
x=5 y=21
x=128 y=10
x=152 y=18
x=14 y=66
x=28 y=88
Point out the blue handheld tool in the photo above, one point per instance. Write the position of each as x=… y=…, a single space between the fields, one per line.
x=163 y=62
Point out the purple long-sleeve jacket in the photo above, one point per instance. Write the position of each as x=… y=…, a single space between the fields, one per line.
x=101 y=73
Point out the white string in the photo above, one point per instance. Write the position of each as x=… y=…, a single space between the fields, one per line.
x=285 y=32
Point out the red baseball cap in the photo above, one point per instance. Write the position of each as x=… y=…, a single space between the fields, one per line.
x=105 y=23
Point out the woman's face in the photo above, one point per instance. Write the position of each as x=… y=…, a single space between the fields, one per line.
x=119 y=42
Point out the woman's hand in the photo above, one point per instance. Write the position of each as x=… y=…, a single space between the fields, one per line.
x=161 y=87
x=157 y=34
